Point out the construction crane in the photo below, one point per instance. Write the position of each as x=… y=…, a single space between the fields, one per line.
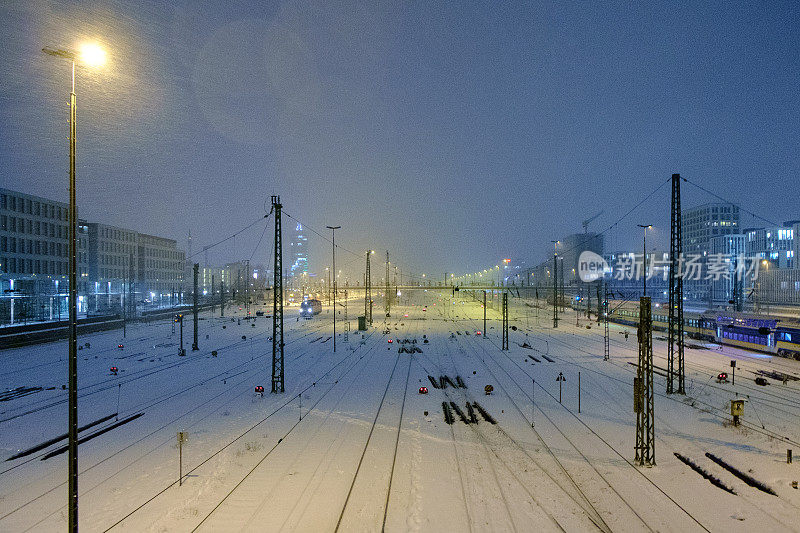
x=585 y=223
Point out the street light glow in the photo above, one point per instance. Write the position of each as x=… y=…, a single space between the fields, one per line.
x=92 y=54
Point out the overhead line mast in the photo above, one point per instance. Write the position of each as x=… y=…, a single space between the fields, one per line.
x=388 y=296
x=277 y=302
x=675 y=320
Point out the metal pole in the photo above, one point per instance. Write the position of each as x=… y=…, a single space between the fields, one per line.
x=579 y=392
x=388 y=298
x=73 y=316
x=366 y=291
x=484 y=314
x=333 y=251
x=194 y=344
x=555 y=284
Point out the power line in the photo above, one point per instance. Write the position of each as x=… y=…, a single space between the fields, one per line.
x=718 y=197
x=206 y=248
x=620 y=219
x=262 y=236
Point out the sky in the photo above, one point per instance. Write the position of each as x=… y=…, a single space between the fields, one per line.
x=453 y=134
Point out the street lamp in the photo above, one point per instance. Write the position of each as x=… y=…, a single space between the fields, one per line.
x=555 y=283
x=333 y=248
x=94 y=56
x=644 y=257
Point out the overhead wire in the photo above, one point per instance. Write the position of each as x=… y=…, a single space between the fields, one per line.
x=718 y=197
x=613 y=225
x=232 y=236
x=266 y=219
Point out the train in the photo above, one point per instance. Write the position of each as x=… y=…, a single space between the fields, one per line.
x=310 y=307
x=775 y=335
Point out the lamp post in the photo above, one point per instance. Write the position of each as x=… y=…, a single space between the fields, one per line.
x=93 y=56
x=644 y=256
x=333 y=249
x=555 y=283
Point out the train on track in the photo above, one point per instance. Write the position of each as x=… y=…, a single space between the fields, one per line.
x=310 y=307
x=770 y=334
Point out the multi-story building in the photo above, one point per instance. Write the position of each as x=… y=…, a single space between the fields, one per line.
x=571 y=248
x=796 y=247
x=699 y=225
x=161 y=267
x=112 y=261
x=730 y=248
x=298 y=254
x=34 y=257
x=776 y=245
x=210 y=279
x=776 y=286
x=34 y=267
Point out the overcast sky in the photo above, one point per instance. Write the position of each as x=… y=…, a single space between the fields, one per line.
x=452 y=133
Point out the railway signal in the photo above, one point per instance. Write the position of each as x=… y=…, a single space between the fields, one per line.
x=561 y=379
x=113 y=370
x=179 y=319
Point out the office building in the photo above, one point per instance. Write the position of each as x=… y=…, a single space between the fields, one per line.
x=112 y=260
x=34 y=258
x=298 y=254
x=161 y=267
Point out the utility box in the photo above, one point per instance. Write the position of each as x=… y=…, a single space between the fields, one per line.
x=737 y=410
x=362 y=323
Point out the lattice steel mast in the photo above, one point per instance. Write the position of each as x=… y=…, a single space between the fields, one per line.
x=368 y=292
x=277 y=302
x=505 y=320
x=643 y=389
x=675 y=327
x=388 y=297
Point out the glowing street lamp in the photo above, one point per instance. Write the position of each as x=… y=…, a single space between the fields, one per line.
x=93 y=56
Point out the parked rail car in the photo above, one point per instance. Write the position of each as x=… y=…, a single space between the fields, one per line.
x=695 y=325
x=757 y=333
x=310 y=307
x=787 y=341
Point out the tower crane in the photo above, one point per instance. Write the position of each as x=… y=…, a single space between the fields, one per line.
x=585 y=223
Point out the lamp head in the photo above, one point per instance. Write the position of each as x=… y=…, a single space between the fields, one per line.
x=92 y=54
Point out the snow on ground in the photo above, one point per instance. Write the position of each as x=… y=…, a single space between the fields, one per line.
x=351 y=445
